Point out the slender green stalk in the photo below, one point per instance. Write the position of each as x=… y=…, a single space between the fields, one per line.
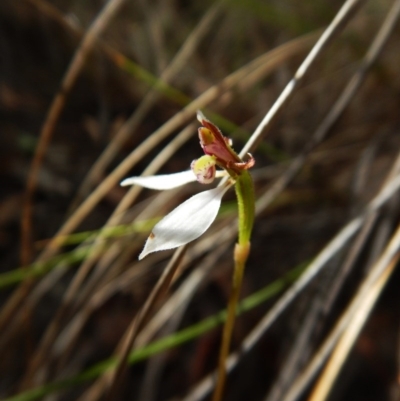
x=246 y=206
x=245 y=196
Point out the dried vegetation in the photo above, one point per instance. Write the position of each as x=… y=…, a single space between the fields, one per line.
x=91 y=92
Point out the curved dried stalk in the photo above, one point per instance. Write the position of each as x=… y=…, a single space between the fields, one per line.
x=111 y=380
x=97 y=27
x=344 y=329
x=99 y=24
x=344 y=15
x=74 y=299
x=68 y=337
x=123 y=134
x=349 y=336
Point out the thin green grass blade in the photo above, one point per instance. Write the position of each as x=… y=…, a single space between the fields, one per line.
x=75 y=256
x=164 y=344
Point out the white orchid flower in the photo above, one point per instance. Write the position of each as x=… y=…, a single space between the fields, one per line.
x=193 y=217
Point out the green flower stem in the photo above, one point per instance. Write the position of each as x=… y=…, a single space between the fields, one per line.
x=246 y=206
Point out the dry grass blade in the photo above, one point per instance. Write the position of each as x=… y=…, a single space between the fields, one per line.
x=181 y=296
x=299 y=349
x=322 y=303
x=292 y=365
x=367 y=294
x=149 y=100
x=348 y=338
x=333 y=115
x=111 y=380
x=344 y=15
x=99 y=24
x=67 y=338
x=79 y=296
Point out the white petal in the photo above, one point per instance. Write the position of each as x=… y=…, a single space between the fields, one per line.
x=185 y=223
x=161 y=182
x=165 y=181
